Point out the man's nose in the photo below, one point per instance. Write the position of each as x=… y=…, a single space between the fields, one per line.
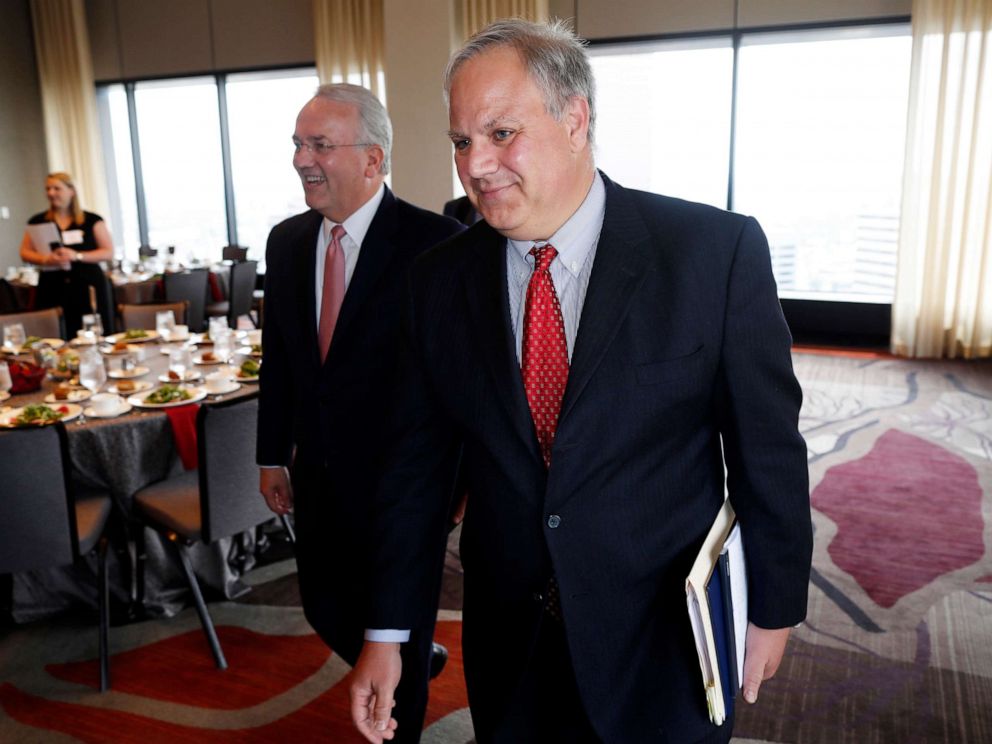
x=480 y=160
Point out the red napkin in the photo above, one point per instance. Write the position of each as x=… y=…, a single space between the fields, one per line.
x=183 y=420
x=216 y=293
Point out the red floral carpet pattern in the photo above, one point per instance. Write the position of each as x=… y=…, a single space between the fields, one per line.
x=180 y=669
x=907 y=512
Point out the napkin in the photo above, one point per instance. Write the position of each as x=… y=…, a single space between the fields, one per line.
x=183 y=420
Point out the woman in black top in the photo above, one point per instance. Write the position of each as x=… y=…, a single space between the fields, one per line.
x=70 y=270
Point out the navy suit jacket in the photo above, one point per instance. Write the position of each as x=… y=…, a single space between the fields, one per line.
x=333 y=413
x=681 y=364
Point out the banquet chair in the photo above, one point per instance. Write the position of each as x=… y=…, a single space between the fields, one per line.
x=143 y=316
x=9 y=302
x=236 y=253
x=190 y=286
x=46 y=323
x=217 y=500
x=241 y=288
x=43 y=524
x=137 y=293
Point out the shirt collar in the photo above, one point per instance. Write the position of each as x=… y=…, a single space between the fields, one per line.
x=357 y=225
x=576 y=238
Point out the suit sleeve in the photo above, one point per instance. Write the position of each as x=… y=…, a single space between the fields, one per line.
x=274 y=440
x=413 y=498
x=767 y=475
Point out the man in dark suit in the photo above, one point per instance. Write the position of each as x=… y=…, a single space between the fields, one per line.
x=334 y=287
x=609 y=361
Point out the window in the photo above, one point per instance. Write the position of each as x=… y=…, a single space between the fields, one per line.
x=261 y=114
x=816 y=152
x=821 y=129
x=182 y=172
x=173 y=190
x=663 y=116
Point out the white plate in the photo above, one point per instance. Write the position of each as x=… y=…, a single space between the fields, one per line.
x=124 y=408
x=170 y=339
x=76 y=395
x=139 y=386
x=84 y=342
x=245 y=379
x=126 y=374
x=55 y=343
x=247 y=351
x=229 y=388
x=198 y=359
x=191 y=374
x=195 y=393
x=4 y=394
x=152 y=336
x=72 y=411
x=200 y=339
x=111 y=351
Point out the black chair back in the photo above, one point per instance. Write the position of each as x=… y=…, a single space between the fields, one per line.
x=143 y=316
x=190 y=286
x=8 y=298
x=47 y=323
x=146 y=251
x=37 y=517
x=241 y=291
x=236 y=253
x=229 y=498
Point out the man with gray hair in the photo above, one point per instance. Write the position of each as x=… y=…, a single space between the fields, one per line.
x=609 y=361
x=334 y=287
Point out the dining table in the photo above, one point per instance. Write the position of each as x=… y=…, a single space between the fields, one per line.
x=119 y=454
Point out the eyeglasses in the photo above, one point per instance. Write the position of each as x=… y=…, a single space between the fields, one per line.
x=323 y=148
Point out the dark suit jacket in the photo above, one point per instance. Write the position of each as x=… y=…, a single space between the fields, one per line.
x=681 y=345
x=333 y=413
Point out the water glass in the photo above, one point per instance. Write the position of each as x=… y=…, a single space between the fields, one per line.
x=93 y=323
x=14 y=336
x=5 y=382
x=92 y=373
x=180 y=361
x=165 y=321
x=223 y=344
x=218 y=325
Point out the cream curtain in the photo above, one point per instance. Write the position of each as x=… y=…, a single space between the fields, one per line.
x=68 y=97
x=943 y=300
x=348 y=42
x=474 y=14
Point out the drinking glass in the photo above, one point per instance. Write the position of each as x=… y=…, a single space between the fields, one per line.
x=93 y=323
x=217 y=325
x=14 y=337
x=5 y=382
x=165 y=321
x=180 y=362
x=223 y=344
x=92 y=374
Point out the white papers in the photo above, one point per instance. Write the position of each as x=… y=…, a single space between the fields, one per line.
x=43 y=235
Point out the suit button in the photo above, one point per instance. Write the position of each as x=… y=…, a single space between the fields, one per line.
x=553 y=521
x=537 y=597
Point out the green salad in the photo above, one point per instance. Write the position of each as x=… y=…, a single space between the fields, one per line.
x=249 y=368
x=167 y=394
x=31 y=341
x=135 y=333
x=37 y=414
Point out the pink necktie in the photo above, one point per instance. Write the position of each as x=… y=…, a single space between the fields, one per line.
x=333 y=291
x=544 y=354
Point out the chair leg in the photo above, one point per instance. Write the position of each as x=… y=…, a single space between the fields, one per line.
x=289 y=527
x=201 y=609
x=104 y=590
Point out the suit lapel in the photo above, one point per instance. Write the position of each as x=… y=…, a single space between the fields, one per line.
x=373 y=259
x=490 y=312
x=619 y=269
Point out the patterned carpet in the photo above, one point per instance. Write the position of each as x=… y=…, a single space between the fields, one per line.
x=897 y=646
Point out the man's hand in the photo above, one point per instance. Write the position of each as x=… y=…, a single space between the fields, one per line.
x=373 y=683
x=275 y=487
x=763 y=651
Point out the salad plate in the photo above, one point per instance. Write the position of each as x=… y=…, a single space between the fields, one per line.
x=167 y=396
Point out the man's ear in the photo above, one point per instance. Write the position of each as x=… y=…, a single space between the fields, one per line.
x=375 y=156
x=577 y=122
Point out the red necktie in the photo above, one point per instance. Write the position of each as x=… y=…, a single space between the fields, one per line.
x=332 y=294
x=544 y=354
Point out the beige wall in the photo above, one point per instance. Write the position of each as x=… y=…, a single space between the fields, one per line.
x=414 y=62
x=150 y=38
x=602 y=19
x=23 y=162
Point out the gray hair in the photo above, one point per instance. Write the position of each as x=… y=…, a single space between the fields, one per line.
x=374 y=127
x=555 y=58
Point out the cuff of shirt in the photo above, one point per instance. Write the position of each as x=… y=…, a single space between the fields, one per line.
x=389 y=635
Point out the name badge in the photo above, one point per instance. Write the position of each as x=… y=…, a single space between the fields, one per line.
x=72 y=237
